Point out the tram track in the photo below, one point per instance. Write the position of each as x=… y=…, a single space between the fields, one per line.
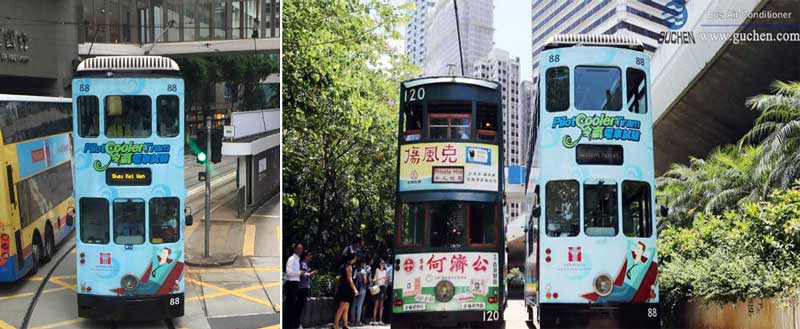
x=35 y=299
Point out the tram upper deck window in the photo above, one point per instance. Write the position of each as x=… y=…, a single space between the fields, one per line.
x=164 y=220
x=482 y=224
x=636 y=91
x=449 y=119
x=598 y=88
x=128 y=116
x=167 y=115
x=562 y=208
x=557 y=89
x=94 y=220
x=600 y=216
x=447 y=224
x=412 y=131
x=486 y=122
x=636 y=210
x=412 y=225
x=128 y=221
x=88 y=116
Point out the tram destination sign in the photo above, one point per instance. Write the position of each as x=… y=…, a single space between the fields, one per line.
x=448 y=174
x=449 y=166
x=593 y=154
x=128 y=177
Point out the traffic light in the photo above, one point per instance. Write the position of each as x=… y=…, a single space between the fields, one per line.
x=199 y=147
x=216 y=145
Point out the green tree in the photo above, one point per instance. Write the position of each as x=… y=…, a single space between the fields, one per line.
x=341 y=81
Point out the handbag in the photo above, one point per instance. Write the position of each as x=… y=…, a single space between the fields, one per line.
x=374 y=290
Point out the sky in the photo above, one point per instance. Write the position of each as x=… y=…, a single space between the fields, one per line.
x=512 y=31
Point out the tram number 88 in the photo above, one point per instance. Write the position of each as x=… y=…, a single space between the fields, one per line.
x=489 y=316
x=652 y=312
x=174 y=301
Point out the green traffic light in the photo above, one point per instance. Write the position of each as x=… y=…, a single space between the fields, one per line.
x=201 y=157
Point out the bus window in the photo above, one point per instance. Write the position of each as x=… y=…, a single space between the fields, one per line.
x=600 y=216
x=94 y=220
x=557 y=88
x=636 y=91
x=636 y=210
x=129 y=221
x=598 y=88
x=482 y=223
x=562 y=217
x=164 y=220
x=128 y=116
x=412 y=225
x=167 y=115
x=412 y=131
x=88 y=116
x=43 y=191
x=486 y=122
x=447 y=224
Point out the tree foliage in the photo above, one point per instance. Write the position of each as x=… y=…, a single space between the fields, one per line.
x=341 y=81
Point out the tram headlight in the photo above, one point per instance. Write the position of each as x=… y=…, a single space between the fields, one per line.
x=603 y=284
x=129 y=282
x=445 y=291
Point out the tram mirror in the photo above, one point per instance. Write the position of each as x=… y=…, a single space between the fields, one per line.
x=664 y=210
x=537 y=211
x=189 y=220
x=70 y=220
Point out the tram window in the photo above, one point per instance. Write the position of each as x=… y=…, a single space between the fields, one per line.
x=447 y=224
x=167 y=115
x=481 y=227
x=636 y=91
x=449 y=126
x=88 y=116
x=128 y=116
x=636 y=210
x=413 y=122
x=412 y=224
x=128 y=221
x=486 y=122
x=562 y=213
x=600 y=216
x=557 y=88
x=164 y=218
x=94 y=220
x=598 y=88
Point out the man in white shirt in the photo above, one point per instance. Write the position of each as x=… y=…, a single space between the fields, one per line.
x=291 y=318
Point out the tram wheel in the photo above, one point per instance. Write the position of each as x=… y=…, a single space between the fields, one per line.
x=49 y=245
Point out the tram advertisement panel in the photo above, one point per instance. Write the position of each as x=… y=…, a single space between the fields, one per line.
x=449 y=166
x=454 y=281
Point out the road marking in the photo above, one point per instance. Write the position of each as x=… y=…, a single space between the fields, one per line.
x=39 y=278
x=249 y=246
x=278 y=235
x=236 y=269
x=63 y=284
x=26 y=294
x=4 y=325
x=214 y=180
x=59 y=324
x=246 y=289
x=266 y=216
x=230 y=292
x=275 y=326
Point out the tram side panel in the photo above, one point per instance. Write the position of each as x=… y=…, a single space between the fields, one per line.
x=123 y=275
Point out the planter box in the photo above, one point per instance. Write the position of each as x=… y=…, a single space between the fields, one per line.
x=318 y=311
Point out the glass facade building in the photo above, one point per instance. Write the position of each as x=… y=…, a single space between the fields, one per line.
x=144 y=21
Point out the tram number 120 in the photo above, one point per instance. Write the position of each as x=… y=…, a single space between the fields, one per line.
x=414 y=94
x=489 y=316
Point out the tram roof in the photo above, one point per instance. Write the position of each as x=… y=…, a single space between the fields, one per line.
x=451 y=79
x=28 y=98
x=595 y=40
x=127 y=64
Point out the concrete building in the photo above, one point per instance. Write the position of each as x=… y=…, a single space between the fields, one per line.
x=38 y=48
x=501 y=67
x=475 y=19
x=641 y=19
x=526 y=117
x=415 y=32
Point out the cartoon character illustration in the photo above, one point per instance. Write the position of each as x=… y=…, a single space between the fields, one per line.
x=635 y=278
x=161 y=277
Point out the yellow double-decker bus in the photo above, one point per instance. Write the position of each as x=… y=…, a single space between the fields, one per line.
x=36 y=202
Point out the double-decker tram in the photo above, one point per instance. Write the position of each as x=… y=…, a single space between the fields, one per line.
x=36 y=204
x=591 y=246
x=449 y=252
x=129 y=188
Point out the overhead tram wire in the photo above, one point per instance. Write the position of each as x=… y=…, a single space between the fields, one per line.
x=458 y=32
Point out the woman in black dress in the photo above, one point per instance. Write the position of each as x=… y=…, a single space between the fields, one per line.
x=346 y=291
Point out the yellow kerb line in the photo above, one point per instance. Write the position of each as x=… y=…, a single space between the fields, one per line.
x=248 y=248
x=59 y=324
x=278 y=235
x=276 y=326
x=5 y=325
x=230 y=292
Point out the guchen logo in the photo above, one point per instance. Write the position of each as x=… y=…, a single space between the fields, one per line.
x=575 y=255
x=105 y=258
x=675 y=14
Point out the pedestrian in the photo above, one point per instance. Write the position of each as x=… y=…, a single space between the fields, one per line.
x=346 y=291
x=389 y=288
x=355 y=247
x=362 y=283
x=305 y=284
x=379 y=279
x=290 y=287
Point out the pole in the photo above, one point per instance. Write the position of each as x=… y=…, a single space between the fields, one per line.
x=458 y=32
x=208 y=184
